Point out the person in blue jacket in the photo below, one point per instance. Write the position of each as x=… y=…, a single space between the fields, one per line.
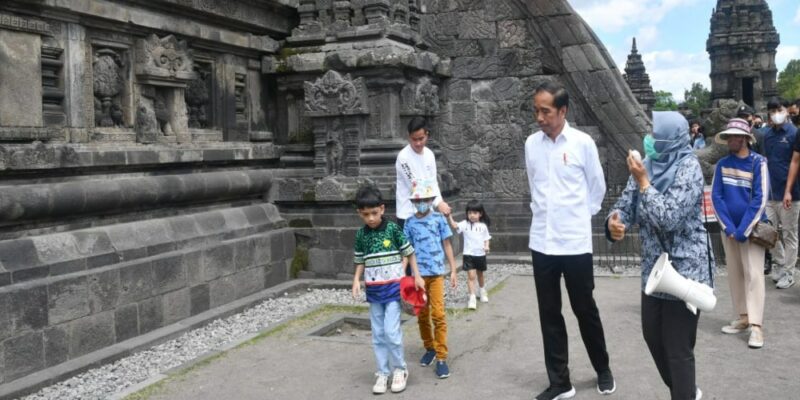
x=740 y=190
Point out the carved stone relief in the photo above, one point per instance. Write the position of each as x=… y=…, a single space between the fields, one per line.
x=334 y=94
x=334 y=151
x=109 y=81
x=166 y=58
x=198 y=97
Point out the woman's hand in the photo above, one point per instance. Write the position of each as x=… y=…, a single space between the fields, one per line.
x=638 y=171
x=616 y=227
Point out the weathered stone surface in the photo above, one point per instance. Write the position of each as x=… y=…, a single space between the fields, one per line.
x=473 y=26
x=20 y=79
x=169 y=273
x=29 y=308
x=126 y=322
x=56 y=345
x=23 y=354
x=176 y=305
x=199 y=299
x=91 y=333
x=151 y=314
x=136 y=282
x=462 y=113
x=68 y=300
x=218 y=261
x=249 y=281
x=222 y=291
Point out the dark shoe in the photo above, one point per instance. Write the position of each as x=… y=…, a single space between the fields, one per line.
x=442 y=370
x=552 y=393
x=427 y=358
x=606 y=383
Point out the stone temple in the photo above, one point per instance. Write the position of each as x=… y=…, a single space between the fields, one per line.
x=638 y=80
x=161 y=158
x=742 y=45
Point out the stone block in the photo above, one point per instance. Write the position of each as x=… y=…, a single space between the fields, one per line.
x=91 y=333
x=199 y=298
x=56 y=346
x=255 y=215
x=474 y=26
x=68 y=300
x=103 y=290
x=235 y=219
x=262 y=249
x=194 y=267
x=347 y=238
x=276 y=273
x=23 y=355
x=514 y=33
x=151 y=314
x=20 y=79
x=183 y=228
x=504 y=9
x=321 y=261
x=210 y=222
x=67 y=267
x=71 y=199
x=126 y=322
x=6 y=316
x=222 y=291
x=278 y=248
x=29 y=308
x=461 y=112
x=218 y=261
x=30 y=274
x=459 y=90
x=342 y=261
x=169 y=273
x=18 y=254
x=249 y=281
x=136 y=282
x=501 y=89
x=244 y=253
x=575 y=59
x=176 y=305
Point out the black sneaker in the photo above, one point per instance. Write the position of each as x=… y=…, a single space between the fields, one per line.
x=554 y=393
x=606 y=383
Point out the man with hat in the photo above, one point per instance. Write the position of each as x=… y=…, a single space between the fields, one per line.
x=739 y=194
x=779 y=139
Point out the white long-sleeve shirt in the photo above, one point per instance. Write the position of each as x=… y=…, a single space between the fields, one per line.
x=567 y=188
x=411 y=166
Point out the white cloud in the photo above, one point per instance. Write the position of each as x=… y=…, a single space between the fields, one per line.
x=797 y=16
x=786 y=53
x=614 y=15
x=646 y=36
x=675 y=72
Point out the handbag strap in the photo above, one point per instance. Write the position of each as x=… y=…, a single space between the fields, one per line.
x=708 y=239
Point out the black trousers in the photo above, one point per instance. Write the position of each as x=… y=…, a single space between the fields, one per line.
x=579 y=279
x=670 y=331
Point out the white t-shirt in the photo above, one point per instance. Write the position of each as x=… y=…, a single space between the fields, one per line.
x=411 y=166
x=474 y=236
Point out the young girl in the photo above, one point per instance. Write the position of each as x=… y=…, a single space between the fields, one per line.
x=476 y=244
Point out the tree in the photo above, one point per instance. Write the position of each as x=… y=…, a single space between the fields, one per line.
x=697 y=98
x=665 y=101
x=789 y=81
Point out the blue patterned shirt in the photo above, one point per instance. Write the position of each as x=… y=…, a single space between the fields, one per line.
x=672 y=218
x=426 y=235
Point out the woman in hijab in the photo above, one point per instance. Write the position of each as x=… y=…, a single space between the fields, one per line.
x=663 y=196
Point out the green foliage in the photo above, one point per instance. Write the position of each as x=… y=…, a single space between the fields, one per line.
x=300 y=260
x=789 y=81
x=665 y=101
x=697 y=98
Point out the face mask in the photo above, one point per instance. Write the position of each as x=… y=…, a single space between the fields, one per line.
x=422 y=207
x=650 y=147
x=778 y=118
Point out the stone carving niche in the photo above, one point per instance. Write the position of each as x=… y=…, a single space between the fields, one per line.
x=164 y=69
x=337 y=106
x=108 y=68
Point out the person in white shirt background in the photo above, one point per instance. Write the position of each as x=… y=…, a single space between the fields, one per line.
x=567 y=187
x=416 y=163
x=475 y=230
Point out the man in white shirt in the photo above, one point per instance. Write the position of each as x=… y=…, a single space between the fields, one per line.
x=567 y=188
x=416 y=163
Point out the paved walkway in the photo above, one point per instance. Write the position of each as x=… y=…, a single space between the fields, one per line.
x=496 y=353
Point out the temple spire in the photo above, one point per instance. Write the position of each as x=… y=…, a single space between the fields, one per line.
x=638 y=80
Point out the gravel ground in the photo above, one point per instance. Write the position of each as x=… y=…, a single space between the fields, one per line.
x=103 y=382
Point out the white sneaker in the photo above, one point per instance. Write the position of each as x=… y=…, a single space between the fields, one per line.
x=472 y=303
x=698 y=394
x=786 y=281
x=399 y=379
x=756 y=340
x=739 y=325
x=776 y=275
x=380 y=384
x=484 y=296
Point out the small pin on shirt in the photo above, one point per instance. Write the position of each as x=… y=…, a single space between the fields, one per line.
x=565 y=158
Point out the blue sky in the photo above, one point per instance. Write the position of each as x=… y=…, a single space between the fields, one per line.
x=671 y=36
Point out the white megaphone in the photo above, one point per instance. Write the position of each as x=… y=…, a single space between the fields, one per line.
x=663 y=278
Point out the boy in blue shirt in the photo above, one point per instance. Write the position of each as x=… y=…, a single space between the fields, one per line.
x=430 y=234
x=381 y=253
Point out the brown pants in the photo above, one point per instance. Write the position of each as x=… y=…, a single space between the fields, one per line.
x=746 y=278
x=432 y=319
